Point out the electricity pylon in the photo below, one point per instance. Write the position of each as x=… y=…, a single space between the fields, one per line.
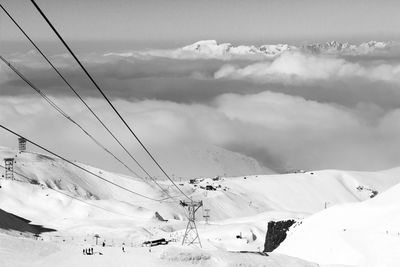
x=206 y=215
x=191 y=236
x=9 y=168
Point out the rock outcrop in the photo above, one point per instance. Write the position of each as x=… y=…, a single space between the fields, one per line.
x=276 y=234
x=11 y=222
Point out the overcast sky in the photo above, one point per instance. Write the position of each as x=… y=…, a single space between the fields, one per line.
x=182 y=21
x=297 y=110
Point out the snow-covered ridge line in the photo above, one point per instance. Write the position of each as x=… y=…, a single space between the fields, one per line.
x=211 y=49
x=347 y=48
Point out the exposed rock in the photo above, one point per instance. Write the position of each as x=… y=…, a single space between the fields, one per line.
x=9 y=221
x=372 y=192
x=276 y=234
x=159 y=217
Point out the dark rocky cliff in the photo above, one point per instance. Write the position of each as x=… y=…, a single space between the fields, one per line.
x=9 y=221
x=276 y=234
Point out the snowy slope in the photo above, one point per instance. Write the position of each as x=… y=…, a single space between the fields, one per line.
x=300 y=192
x=194 y=160
x=208 y=160
x=21 y=252
x=10 y=222
x=359 y=234
x=60 y=196
x=304 y=193
x=237 y=205
x=190 y=161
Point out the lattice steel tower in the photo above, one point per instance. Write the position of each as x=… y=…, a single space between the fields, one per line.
x=9 y=168
x=206 y=215
x=191 y=236
x=22 y=144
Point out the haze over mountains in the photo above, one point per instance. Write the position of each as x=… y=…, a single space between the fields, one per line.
x=333 y=103
x=209 y=49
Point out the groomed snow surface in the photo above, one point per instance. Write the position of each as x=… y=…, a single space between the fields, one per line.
x=359 y=234
x=354 y=230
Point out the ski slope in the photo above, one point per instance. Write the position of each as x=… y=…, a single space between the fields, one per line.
x=79 y=205
x=356 y=234
x=21 y=252
x=237 y=196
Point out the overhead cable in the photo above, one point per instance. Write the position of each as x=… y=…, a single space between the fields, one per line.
x=81 y=99
x=105 y=97
x=77 y=166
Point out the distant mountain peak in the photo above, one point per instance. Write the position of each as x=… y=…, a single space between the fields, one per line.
x=346 y=48
x=213 y=49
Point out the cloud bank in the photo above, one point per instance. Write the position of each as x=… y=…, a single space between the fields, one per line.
x=302 y=68
x=280 y=131
x=294 y=110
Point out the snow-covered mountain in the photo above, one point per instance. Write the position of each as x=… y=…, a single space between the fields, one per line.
x=304 y=193
x=77 y=204
x=211 y=49
x=209 y=160
x=335 y=47
x=194 y=160
x=357 y=234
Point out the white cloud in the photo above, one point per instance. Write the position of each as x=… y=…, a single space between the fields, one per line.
x=296 y=67
x=280 y=111
x=279 y=130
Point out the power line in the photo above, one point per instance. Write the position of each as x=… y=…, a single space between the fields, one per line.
x=79 y=167
x=63 y=193
x=81 y=99
x=105 y=97
x=54 y=105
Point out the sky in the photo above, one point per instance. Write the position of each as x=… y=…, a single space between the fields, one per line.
x=185 y=21
x=202 y=112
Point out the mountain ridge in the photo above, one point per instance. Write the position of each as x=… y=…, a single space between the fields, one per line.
x=211 y=49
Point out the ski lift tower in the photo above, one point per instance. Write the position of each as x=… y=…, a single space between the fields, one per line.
x=21 y=144
x=206 y=215
x=191 y=236
x=9 y=168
